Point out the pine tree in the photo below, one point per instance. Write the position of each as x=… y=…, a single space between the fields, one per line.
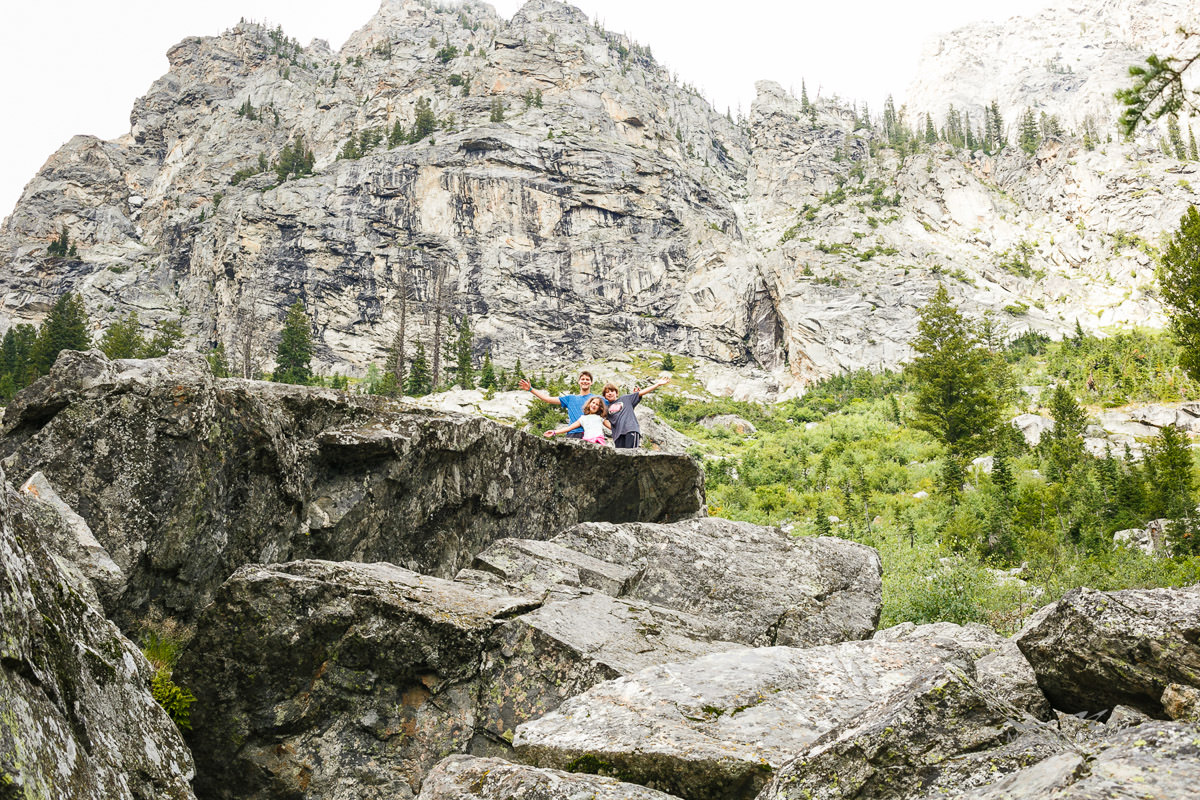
x=65 y=328
x=1175 y=138
x=293 y=357
x=218 y=362
x=424 y=122
x=463 y=368
x=1192 y=154
x=396 y=136
x=487 y=374
x=420 y=382
x=1179 y=285
x=1169 y=460
x=1029 y=137
x=60 y=247
x=123 y=339
x=954 y=376
x=668 y=363
x=167 y=334
x=497 y=111
x=1062 y=445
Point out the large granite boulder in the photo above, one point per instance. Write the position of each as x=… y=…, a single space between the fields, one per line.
x=316 y=676
x=720 y=725
x=470 y=778
x=313 y=675
x=183 y=478
x=1000 y=666
x=1093 y=650
x=77 y=719
x=943 y=733
x=1152 y=761
x=757 y=585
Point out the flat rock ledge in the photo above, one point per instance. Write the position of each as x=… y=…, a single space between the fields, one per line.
x=755 y=585
x=720 y=725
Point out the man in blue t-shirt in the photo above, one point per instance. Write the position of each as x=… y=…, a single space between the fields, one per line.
x=573 y=403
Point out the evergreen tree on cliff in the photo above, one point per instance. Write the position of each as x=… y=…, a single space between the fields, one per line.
x=294 y=356
x=123 y=339
x=420 y=381
x=955 y=378
x=65 y=328
x=463 y=368
x=1179 y=282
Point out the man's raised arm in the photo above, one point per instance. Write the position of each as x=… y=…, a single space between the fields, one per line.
x=538 y=393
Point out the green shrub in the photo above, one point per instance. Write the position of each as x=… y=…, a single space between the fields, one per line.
x=175 y=700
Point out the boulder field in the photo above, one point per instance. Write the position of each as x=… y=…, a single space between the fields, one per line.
x=387 y=603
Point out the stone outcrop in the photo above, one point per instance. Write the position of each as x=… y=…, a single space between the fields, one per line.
x=1095 y=650
x=720 y=725
x=183 y=478
x=574 y=200
x=941 y=734
x=756 y=585
x=314 y=678
x=1153 y=761
x=467 y=778
x=78 y=718
x=1000 y=666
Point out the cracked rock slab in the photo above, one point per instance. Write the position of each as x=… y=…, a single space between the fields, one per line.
x=758 y=585
x=720 y=725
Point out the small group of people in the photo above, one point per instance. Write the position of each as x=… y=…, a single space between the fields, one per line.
x=589 y=415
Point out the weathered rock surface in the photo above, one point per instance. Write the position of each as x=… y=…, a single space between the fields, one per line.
x=756 y=585
x=324 y=680
x=721 y=724
x=1095 y=650
x=182 y=478
x=942 y=734
x=78 y=719
x=71 y=543
x=1153 y=761
x=316 y=676
x=467 y=778
x=1000 y=667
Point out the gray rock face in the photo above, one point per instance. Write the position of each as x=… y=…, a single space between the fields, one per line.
x=942 y=734
x=1094 y=650
x=182 y=478
x=1154 y=761
x=1000 y=667
x=759 y=585
x=721 y=724
x=467 y=778
x=78 y=717
x=316 y=677
x=324 y=680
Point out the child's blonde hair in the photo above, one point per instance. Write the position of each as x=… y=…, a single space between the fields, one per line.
x=601 y=411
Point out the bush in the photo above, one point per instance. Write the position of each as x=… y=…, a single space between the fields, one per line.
x=175 y=700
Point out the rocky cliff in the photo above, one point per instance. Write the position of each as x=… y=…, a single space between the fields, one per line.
x=552 y=182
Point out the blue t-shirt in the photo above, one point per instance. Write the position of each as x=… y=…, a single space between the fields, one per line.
x=573 y=403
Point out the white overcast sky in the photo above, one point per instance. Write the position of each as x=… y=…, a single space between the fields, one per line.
x=76 y=66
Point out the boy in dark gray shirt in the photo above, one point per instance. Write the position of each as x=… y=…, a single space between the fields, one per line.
x=625 y=430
